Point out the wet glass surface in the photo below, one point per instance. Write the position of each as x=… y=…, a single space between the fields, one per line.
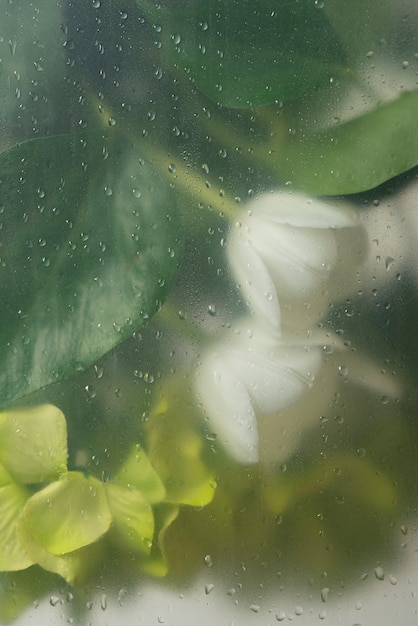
x=208 y=277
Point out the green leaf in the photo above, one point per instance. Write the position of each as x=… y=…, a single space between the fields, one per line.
x=22 y=590
x=175 y=449
x=74 y=567
x=243 y=54
x=138 y=473
x=33 y=86
x=133 y=520
x=89 y=248
x=157 y=562
x=5 y=478
x=12 y=555
x=68 y=514
x=357 y=155
x=33 y=443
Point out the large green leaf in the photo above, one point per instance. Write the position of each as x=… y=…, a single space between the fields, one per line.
x=33 y=443
x=88 y=248
x=245 y=53
x=357 y=155
x=68 y=514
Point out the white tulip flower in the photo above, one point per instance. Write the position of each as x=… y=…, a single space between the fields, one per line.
x=248 y=372
x=284 y=248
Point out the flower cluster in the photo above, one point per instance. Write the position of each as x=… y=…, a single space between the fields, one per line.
x=284 y=249
x=56 y=518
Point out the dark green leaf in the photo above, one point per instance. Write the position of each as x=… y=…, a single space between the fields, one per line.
x=89 y=246
x=243 y=54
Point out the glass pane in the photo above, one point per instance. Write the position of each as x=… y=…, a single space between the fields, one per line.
x=208 y=279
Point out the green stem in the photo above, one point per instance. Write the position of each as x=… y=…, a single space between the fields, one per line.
x=199 y=189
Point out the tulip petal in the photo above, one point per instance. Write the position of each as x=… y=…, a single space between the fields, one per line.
x=303 y=211
x=298 y=259
x=276 y=375
x=227 y=404
x=254 y=279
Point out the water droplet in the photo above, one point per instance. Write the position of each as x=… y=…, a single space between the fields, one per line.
x=212 y=310
x=91 y=393
x=108 y=190
x=53 y=600
x=255 y=608
x=324 y=594
x=103 y=602
x=12 y=45
x=389 y=262
x=41 y=193
x=319 y=4
x=393 y=580
x=281 y=616
x=343 y=370
x=208 y=560
x=208 y=588
x=96 y=4
x=172 y=168
x=322 y=614
x=379 y=573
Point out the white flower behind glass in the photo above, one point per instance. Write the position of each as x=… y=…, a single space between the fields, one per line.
x=283 y=248
x=251 y=371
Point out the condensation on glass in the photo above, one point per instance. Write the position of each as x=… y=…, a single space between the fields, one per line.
x=208 y=276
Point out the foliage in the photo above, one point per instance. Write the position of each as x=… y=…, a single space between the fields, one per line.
x=132 y=134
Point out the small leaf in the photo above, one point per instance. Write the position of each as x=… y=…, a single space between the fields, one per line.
x=94 y=233
x=133 y=520
x=12 y=555
x=157 y=563
x=175 y=449
x=357 y=155
x=22 y=590
x=33 y=443
x=74 y=567
x=138 y=473
x=5 y=478
x=68 y=514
